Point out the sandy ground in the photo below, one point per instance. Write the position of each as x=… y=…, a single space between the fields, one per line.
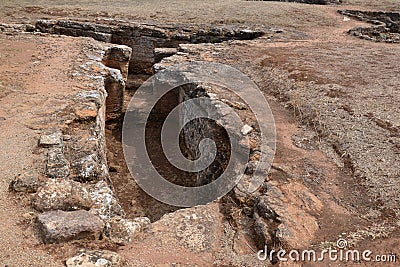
x=292 y=16
x=33 y=84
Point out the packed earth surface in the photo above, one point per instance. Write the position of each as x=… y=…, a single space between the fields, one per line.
x=68 y=70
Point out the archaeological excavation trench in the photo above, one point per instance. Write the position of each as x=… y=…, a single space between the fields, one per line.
x=149 y=46
x=134 y=200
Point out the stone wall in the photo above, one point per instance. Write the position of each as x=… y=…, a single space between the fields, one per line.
x=144 y=39
x=198 y=129
x=74 y=198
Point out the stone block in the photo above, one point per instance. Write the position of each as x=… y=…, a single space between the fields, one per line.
x=95 y=258
x=59 y=226
x=53 y=139
x=60 y=194
x=26 y=182
x=57 y=165
x=121 y=231
x=118 y=57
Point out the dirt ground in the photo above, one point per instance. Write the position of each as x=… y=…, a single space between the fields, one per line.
x=30 y=93
x=287 y=15
x=318 y=79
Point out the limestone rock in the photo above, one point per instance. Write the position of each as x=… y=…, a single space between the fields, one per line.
x=144 y=222
x=53 y=139
x=246 y=129
x=26 y=182
x=115 y=86
x=262 y=230
x=95 y=96
x=62 y=194
x=58 y=226
x=95 y=258
x=160 y=53
x=118 y=57
x=57 y=165
x=246 y=189
x=121 y=231
x=86 y=111
x=12 y=28
x=105 y=204
x=289 y=208
x=87 y=168
x=197 y=229
x=265 y=209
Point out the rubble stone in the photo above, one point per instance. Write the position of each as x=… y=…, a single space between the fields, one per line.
x=53 y=139
x=58 y=226
x=87 y=168
x=121 y=231
x=26 y=182
x=105 y=204
x=95 y=258
x=57 y=164
x=62 y=194
x=246 y=129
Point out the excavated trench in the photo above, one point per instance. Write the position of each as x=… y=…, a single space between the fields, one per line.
x=133 y=199
x=385 y=26
x=252 y=216
x=150 y=45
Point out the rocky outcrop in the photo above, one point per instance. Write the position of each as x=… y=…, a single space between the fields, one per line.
x=13 y=28
x=198 y=232
x=118 y=57
x=144 y=39
x=284 y=215
x=385 y=25
x=59 y=226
